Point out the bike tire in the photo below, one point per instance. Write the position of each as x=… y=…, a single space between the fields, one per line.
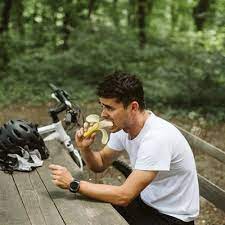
x=122 y=167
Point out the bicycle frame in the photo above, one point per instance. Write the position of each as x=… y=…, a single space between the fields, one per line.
x=57 y=132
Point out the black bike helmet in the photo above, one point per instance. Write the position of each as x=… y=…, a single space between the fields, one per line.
x=16 y=135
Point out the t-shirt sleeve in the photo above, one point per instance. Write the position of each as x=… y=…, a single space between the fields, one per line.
x=154 y=155
x=115 y=141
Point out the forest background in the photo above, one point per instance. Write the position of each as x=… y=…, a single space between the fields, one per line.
x=177 y=48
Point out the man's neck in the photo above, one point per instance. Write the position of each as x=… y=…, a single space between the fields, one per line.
x=137 y=124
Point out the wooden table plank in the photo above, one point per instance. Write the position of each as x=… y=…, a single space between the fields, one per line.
x=37 y=202
x=12 y=211
x=74 y=208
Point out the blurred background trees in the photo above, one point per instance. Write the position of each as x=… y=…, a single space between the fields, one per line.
x=176 y=47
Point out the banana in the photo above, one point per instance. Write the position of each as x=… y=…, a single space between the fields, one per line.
x=97 y=126
x=91 y=130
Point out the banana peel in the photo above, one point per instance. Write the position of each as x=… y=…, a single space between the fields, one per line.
x=93 y=118
x=97 y=125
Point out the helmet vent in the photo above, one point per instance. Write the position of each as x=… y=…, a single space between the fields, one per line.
x=17 y=133
x=36 y=133
x=23 y=127
x=4 y=144
x=10 y=140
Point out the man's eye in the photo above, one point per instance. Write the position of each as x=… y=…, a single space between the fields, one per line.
x=108 y=108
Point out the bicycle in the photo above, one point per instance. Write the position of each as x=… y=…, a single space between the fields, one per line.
x=56 y=129
x=59 y=133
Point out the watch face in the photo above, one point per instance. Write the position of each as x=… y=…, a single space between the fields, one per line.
x=74 y=186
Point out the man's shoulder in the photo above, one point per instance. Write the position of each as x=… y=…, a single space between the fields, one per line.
x=161 y=131
x=161 y=125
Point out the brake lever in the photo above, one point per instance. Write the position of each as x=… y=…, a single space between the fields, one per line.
x=54 y=97
x=60 y=95
x=72 y=116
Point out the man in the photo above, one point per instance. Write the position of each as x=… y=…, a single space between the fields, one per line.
x=163 y=187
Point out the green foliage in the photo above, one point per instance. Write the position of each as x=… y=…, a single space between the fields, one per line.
x=173 y=73
x=52 y=41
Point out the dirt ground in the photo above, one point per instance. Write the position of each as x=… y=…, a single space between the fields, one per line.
x=206 y=166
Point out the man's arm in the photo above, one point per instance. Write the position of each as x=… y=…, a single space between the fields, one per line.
x=117 y=195
x=97 y=161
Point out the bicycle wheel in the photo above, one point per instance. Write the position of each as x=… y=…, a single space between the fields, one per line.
x=123 y=167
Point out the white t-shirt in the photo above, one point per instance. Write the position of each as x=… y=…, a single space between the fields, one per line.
x=161 y=147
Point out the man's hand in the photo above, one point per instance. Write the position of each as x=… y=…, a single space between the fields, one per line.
x=82 y=142
x=61 y=176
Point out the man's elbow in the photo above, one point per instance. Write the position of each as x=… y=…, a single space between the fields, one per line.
x=124 y=199
x=124 y=202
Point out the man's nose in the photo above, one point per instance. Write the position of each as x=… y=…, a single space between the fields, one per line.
x=104 y=114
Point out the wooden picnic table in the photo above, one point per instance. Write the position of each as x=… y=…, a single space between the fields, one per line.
x=30 y=198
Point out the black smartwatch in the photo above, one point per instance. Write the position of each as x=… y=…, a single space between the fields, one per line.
x=74 y=186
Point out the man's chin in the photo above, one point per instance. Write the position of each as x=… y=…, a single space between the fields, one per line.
x=114 y=129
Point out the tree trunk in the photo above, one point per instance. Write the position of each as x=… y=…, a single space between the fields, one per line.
x=66 y=30
x=90 y=8
x=131 y=14
x=200 y=13
x=141 y=16
x=115 y=14
x=150 y=6
x=67 y=20
x=174 y=15
x=4 y=56
x=19 y=9
x=5 y=15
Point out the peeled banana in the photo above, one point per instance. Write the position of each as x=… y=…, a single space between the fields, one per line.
x=97 y=125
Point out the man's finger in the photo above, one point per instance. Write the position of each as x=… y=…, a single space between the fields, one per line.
x=79 y=133
x=93 y=135
x=55 y=177
x=54 y=167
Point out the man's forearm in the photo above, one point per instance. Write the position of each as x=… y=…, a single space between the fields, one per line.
x=106 y=193
x=119 y=195
x=92 y=159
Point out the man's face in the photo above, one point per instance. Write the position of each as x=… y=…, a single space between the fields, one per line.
x=115 y=112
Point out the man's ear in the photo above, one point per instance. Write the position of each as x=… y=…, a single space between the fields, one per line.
x=134 y=106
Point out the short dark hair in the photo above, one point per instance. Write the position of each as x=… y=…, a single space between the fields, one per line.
x=123 y=87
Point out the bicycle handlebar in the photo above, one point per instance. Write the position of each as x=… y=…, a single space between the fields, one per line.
x=61 y=95
x=53 y=87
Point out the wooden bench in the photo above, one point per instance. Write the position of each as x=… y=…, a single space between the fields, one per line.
x=208 y=189
x=30 y=198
